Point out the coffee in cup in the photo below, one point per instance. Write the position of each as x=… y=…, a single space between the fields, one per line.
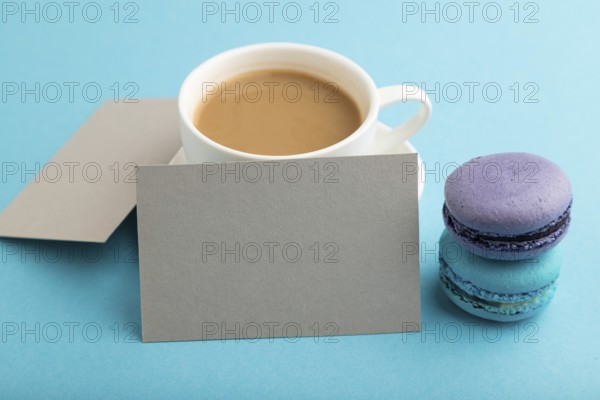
x=276 y=112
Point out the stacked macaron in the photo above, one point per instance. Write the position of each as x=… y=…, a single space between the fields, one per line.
x=504 y=215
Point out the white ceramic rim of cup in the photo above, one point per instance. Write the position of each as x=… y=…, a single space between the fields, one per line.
x=368 y=119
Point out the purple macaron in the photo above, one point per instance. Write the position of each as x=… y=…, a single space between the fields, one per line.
x=509 y=206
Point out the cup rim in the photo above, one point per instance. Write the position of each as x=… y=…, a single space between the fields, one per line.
x=368 y=120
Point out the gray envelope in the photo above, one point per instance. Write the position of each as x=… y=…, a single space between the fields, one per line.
x=247 y=250
x=89 y=186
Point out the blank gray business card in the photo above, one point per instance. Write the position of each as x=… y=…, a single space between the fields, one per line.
x=88 y=188
x=309 y=247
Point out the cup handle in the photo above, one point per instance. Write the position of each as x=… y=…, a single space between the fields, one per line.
x=401 y=93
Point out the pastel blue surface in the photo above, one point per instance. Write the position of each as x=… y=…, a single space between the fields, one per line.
x=83 y=288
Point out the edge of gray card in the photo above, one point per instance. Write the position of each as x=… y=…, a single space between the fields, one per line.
x=89 y=187
x=300 y=248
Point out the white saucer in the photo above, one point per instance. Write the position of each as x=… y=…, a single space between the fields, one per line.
x=404 y=148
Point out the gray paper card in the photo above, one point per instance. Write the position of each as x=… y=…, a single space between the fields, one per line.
x=248 y=250
x=89 y=186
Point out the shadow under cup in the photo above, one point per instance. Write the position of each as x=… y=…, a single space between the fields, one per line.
x=322 y=64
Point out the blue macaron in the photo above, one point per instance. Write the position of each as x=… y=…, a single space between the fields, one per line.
x=508 y=206
x=495 y=289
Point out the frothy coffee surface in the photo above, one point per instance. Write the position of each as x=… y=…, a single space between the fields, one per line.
x=276 y=112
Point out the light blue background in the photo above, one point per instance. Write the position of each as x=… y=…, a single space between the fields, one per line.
x=559 y=54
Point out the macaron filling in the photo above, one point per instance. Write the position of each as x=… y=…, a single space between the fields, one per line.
x=546 y=234
x=498 y=303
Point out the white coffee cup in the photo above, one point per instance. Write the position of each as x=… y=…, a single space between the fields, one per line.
x=321 y=63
